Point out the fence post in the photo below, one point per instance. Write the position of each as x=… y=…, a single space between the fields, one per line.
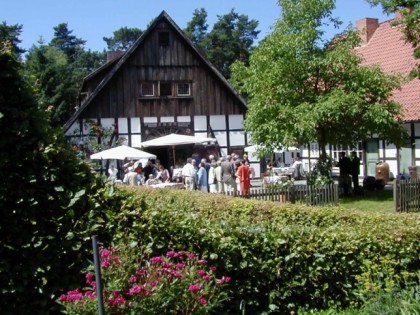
x=98 y=278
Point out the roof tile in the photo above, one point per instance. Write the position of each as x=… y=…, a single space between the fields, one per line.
x=388 y=49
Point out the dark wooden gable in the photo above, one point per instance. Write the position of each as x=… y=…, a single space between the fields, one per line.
x=163 y=74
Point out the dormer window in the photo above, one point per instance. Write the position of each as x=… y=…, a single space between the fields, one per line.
x=163 y=39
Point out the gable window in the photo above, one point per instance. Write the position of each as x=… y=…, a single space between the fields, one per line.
x=147 y=89
x=165 y=89
x=163 y=38
x=184 y=89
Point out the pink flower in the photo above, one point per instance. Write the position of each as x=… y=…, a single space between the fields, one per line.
x=156 y=259
x=207 y=278
x=223 y=280
x=190 y=256
x=105 y=253
x=180 y=266
x=72 y=296
x=90 y=295
x=202 y=261
x=194 y=287
x=202 y=300
x=105 y=264
x=201 y=273
x=132 y=279
x=135 y=290
x=172 y=254
x=213 y=268
x=226 y=279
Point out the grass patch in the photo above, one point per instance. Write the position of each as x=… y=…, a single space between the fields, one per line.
x=372 y=201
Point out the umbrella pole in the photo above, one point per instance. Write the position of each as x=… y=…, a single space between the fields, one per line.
x=173 y=154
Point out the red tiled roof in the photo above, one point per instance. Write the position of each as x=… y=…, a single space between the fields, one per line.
x=388 y=49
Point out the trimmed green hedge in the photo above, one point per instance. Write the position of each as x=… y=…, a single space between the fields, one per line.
x=280 y=257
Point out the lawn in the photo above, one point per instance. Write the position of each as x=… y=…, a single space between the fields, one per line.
x=377 y=200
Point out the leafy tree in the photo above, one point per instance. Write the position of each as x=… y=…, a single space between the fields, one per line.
x=66 y=42
x=303 y=90
x=196 y=29
x=230 y=39
x=410 y=21
x=11 y=33
x=55 y=82
x=56 y=71
x=44 y=191
x=123 y=38
x=89 y=60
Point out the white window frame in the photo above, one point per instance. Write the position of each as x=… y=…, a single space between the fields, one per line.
x=178 y=89
x=147 y=83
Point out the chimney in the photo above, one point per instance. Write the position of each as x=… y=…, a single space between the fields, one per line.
x=367 y=28
x=111 y=55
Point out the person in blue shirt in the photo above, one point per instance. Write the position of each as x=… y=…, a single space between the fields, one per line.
x=202 y=178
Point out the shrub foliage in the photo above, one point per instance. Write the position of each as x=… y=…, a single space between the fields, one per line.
x=280 y=257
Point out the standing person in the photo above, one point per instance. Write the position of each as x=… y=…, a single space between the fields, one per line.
x=297 y=168
x=212 y=178
x=195 y=176
x=228 y=176
x=244 y=174
x=132 y=179
x=202 y=180
x=207 y=167
x=112 y=172
x=188 y=174
x=355 y=169
x=344 y=181
x=219 y=177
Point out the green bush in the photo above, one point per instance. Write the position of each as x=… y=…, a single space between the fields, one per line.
x=280 y=257
x=44 y=192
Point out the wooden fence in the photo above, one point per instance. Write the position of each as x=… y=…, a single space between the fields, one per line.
x=325 y=195
x=407 y=195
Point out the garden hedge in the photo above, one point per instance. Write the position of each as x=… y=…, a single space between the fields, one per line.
x=281 y=257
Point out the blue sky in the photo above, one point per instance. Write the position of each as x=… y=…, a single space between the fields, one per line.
x=93 y=19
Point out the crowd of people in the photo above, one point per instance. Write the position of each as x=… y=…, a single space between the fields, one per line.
x=225 y=175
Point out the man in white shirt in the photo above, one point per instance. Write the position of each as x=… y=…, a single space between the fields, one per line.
x=188 y=175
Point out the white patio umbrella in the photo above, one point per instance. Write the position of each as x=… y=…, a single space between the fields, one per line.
x=122 y=152
x=174 y=139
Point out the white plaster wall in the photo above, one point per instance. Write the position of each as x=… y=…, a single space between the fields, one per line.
x=391 y=151
x=122 y=125
x=183 y=119
x=237 y=138
x=150 y=120
x=136 y=141
x=218 y=122
x=135 y=124
x=236 y=122
x=200 y=123
x=107 y=122
x=167 y=119
x=223 y=151
x=221 y=137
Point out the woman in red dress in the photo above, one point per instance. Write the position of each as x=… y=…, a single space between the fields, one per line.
x=244 y=173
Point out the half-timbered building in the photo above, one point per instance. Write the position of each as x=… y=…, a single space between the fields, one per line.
x=163 y=84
